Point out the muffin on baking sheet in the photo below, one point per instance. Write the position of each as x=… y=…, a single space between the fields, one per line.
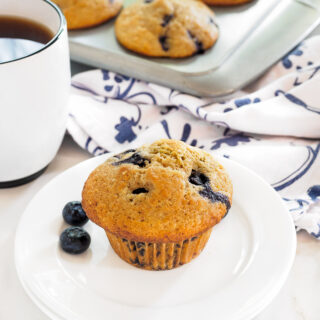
x=88 y=13
x=225 y=2
x=158 y=203
x=167 y=28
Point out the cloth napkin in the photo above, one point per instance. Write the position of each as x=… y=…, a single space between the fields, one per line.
x=272 y=127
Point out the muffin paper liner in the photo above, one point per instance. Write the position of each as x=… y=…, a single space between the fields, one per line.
x=158 y=256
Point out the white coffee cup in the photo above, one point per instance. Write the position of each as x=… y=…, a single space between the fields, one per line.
x=33 y=97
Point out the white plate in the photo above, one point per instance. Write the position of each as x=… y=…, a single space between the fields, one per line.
x=242 y=268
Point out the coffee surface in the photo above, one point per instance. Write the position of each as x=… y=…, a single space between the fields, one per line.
x=20 y=37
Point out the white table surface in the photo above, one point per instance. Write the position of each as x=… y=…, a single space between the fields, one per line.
x=299 y=299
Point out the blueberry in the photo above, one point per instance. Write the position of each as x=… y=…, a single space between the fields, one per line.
x=140 y=190
x=74 y=214
x=198 y=44
x=75 y=240
x=164 y=43
x=198 y=178
x=208 y=193
x=166 y=19
x=135 y=159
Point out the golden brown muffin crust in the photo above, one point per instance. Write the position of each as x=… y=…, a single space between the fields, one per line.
x=154 y=200
x=167 y=28
x=88 y=13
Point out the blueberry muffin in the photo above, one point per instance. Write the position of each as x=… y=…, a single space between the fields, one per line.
x=225 y=2
x=88 y=13
x=167 y=28
x=158 y=203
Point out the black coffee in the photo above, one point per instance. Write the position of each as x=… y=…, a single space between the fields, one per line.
x=21 y=37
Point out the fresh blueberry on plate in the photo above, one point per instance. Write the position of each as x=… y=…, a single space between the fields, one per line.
x=74 y=214
x=75 y=240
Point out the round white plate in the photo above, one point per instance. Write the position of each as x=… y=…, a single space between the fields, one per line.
x=242 y=268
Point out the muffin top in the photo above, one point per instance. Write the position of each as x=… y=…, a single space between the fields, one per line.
x=88 y=13
x=167 y=28
x=163 y=192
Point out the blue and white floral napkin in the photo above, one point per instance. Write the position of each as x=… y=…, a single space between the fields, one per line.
x=272 y=127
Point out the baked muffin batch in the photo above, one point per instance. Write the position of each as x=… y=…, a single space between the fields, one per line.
x=155 y=28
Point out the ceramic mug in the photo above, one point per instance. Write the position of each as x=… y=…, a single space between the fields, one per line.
x=33 y=97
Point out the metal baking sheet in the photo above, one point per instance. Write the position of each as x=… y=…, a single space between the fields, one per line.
x=252 y=37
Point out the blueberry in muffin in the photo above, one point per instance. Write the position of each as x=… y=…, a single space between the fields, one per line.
x=167 y=28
